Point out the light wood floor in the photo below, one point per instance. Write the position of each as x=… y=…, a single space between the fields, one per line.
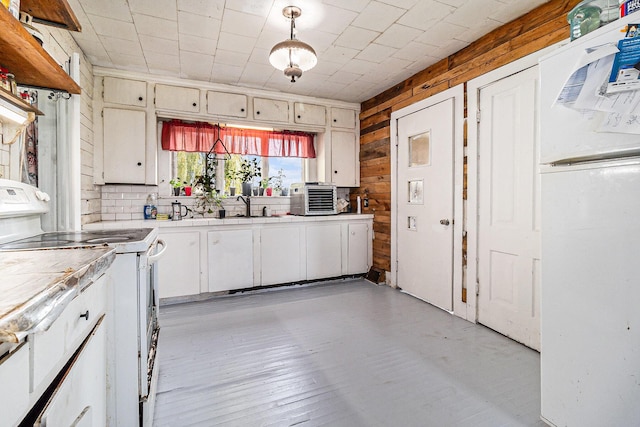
x=341 y=354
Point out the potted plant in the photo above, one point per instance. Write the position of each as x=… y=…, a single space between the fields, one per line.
x=249 y=169
x=205 y=204
x=277 y=183
x=230 y=176
x=264 y=183
x=176 y=183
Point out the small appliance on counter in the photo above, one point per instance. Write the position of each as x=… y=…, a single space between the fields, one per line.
x=314 y=198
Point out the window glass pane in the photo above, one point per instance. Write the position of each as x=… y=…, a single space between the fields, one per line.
x=188 y=166
x=291 y=169
x=419 y=150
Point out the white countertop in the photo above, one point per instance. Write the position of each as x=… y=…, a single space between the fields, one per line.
x=36 y=285
x=214 y=222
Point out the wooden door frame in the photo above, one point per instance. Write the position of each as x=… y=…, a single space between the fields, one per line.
x=473 y=108
x=457 y=93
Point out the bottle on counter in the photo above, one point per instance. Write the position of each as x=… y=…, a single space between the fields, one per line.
x=150 y=207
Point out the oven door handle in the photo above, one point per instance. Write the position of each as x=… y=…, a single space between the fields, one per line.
x=153 y=258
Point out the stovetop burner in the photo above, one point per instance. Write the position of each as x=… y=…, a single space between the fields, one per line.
x=64 y=239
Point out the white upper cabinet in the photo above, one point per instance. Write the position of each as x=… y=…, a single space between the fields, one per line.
x=125 y=92
x=226 y=104
x=309 y=114
x=270 y=110
x=124 y=146
x=345 y=162
x=343 y=118
x=177 y=98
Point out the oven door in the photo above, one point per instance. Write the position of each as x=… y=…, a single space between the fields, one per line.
x=148 y=310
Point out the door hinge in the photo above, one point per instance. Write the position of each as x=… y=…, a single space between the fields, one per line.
x=478 y=116
x=477 y=288
x=102 y=114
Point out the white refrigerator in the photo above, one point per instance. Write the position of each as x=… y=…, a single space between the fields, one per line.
x=590 y=271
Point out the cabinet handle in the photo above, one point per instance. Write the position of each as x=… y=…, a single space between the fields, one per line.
x=85 y=315
x=140 y=98
x=258 y=112
x=298 y=115
x=139 y=163
x=335 y=120
x=335 y=171
x=242 y=110
x=195 y=104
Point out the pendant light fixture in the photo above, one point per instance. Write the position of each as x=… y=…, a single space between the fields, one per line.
x=293 y=56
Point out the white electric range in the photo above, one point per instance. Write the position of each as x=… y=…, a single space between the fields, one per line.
x=133 y=306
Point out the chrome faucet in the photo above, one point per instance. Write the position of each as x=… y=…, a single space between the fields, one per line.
x=247 y=202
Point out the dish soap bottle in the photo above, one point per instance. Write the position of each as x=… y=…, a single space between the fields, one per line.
x=150 y=209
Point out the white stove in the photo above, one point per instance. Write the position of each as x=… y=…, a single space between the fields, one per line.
x=134 y=302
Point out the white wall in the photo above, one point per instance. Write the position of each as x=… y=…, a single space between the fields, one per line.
x=60 y=45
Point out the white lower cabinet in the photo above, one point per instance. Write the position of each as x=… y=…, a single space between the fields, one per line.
x=281 y=255
x=324 y=251
x=80 y=399
x=180 y=268
x=230 y=259
x=14 y=371
x=358 y=248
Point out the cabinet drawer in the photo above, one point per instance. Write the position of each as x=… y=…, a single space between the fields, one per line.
x=14 y=376
x=270 y=110
x=178 y=98
x=309 y=114
x=226 y=104
x=80 y=399
x=51 y=349
x=125 y=92
x=343 y=118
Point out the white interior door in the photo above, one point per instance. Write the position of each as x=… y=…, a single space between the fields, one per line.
x=425 y=203
x=508 y=208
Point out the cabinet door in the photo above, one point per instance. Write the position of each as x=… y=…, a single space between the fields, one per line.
x=178 y=98
x=324 y=253
x=226 y=104
x=179 y=269
x=270 y=110
x=230 y=255
x=125 y=92
x=14 y=377
x=309 y=114
x=343 y=118
x=345 y=170
x=358 y=248
x=280 y=255
x=80 y=399
x=124 y=146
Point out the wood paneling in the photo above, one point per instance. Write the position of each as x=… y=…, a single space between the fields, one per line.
x=531 y=32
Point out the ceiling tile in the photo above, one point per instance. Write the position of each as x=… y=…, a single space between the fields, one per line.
x=195 y=66
x=157 y=61
x=326 y=68
x=239 y=23
x=198 y=25
x=353 y=5
x=121 y=46
x=479 y=30
x=236 y=42
x=356 y=38
x=441 y=33
x=336 y=20
x=159 y=8
x=377 y=16
x=320 y=40
x=223 y=73
x=398 y=36
x=413 y=50
x=404 y=4
x=113 y=28
x=253 y=7
x=452 y=47
x=158 y=45
x=205 y=8
x=425 y=13
x=190 y=43
x=376 y=53
x=339 y=54
x=134 y=62
x=157 y=27
x=116 y=9
x=357 y=66
x=257 y=74
x=344 y=77
x=470 y=13
x=229 y=57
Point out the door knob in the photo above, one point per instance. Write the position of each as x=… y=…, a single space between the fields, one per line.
x=444 y=222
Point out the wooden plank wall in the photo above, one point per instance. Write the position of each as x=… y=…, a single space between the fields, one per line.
x=539 y=28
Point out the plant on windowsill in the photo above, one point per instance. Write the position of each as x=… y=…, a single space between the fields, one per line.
x=176 y=183
x=249 y=170
x=207 y=180
x=204 y=205
x=264 y=183
x=277 y=182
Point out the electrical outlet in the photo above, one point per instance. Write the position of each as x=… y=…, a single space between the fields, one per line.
x=365 y=203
